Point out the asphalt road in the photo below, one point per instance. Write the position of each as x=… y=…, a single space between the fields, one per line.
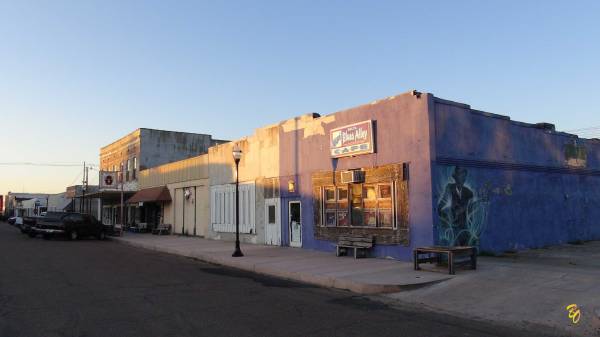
x=103 y=288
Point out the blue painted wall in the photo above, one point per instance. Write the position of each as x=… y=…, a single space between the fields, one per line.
x=524 y=193
x=515 y=188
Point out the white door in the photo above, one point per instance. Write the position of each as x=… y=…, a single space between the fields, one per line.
x=272 y=222
x=295 y=223
x=189 y=211
x=179 y=211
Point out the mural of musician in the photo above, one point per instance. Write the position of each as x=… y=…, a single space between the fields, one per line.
x=462 y=214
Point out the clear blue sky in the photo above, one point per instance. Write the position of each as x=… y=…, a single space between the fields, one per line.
x=76 y=75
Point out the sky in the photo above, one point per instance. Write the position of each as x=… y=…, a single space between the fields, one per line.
x=77 y=75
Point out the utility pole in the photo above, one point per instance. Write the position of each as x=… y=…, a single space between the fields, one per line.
x=83 y=187
x=86 y=206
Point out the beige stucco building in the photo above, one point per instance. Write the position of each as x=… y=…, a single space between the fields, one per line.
x=259 y=204
x=176 y=194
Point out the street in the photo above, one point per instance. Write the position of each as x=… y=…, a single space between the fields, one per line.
x=102 y=288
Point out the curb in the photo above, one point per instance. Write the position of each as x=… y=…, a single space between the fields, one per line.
x=317 y=280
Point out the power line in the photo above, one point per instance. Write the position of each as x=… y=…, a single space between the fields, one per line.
x=56 y=164
x=591 y=128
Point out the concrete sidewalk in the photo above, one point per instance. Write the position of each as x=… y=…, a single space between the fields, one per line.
x=533 y=286
x=363 y=276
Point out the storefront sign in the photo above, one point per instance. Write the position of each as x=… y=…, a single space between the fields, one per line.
x=352 y=140
x=108 y=180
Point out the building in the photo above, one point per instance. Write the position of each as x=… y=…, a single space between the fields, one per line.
x=415 y=170
x=143 y=149
x=83 y=199
x=59 y=202
x=14 y=203
x=33 y=207
x=176 y=194
x=259 y=205
x=409 y=170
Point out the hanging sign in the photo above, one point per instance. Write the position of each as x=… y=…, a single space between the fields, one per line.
x=108 y=180
x=352 y=140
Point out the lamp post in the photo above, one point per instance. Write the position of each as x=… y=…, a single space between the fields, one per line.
x=237 y=155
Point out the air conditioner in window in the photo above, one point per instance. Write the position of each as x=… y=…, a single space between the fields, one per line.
x=353 y=177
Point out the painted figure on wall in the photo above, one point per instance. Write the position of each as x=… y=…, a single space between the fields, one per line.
x=462 y=215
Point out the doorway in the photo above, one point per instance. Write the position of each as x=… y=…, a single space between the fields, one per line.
x=295 y=223
x=272 y=222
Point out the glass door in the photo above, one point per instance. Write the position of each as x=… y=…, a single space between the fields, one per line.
x=295 y=223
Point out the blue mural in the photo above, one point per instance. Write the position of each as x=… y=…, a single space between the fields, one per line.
x=461 y=208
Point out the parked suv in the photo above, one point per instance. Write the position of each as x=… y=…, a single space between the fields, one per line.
x=73 y=225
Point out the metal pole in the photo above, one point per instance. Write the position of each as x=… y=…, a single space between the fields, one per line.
x=238 y=251
x=83 y=188
x=121 y=179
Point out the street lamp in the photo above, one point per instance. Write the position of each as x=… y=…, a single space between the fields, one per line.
x=237 y=155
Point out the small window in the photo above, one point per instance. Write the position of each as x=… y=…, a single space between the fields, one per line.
x=342 y=193
x=329 y=194
x=370 y=216
x=385 y=218
x=342 y=218
x=133 y=174
x=271 y=214
x=369 y=193
x=330 y=218
x=385 y=191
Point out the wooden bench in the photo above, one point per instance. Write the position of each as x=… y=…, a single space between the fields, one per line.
x=434 y=254
x=162 y=229
x=358 y=243
x=141 y=227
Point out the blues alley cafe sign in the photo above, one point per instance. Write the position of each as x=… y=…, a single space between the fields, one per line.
x=352 y=140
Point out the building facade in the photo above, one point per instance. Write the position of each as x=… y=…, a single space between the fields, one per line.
x=139 y=150
x=409 y=170
x=15 y=206
x=415 y=170
x=259 y=202
x=176 y=194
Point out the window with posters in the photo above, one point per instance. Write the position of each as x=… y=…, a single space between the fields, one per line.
x=376 y=206
x=371 y=205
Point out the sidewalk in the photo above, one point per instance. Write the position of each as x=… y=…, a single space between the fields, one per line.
x=533 y=286
x=363 y=276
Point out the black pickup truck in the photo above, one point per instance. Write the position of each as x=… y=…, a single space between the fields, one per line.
x=72 y=225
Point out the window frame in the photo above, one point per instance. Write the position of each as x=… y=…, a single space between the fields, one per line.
x=350 y=210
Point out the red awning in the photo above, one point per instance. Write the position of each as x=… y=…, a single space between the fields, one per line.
x=154 y=194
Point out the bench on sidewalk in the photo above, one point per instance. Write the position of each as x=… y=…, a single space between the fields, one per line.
x=162 y=229
x=141 y=227
x=434 y=254
x=358 y=243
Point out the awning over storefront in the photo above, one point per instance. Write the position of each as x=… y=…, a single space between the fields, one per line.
x=154 y=194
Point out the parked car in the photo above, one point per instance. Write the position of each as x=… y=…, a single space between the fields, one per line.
x=15 y=221
x=72 y=225
x=27 y=223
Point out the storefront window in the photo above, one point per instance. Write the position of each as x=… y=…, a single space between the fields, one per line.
x=330 y=218
x=343 y=193
x=358 y=205
x=343 y=218
x=329 y=194
x=384 y=206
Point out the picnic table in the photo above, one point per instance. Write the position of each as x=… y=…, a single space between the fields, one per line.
x=434 y=254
